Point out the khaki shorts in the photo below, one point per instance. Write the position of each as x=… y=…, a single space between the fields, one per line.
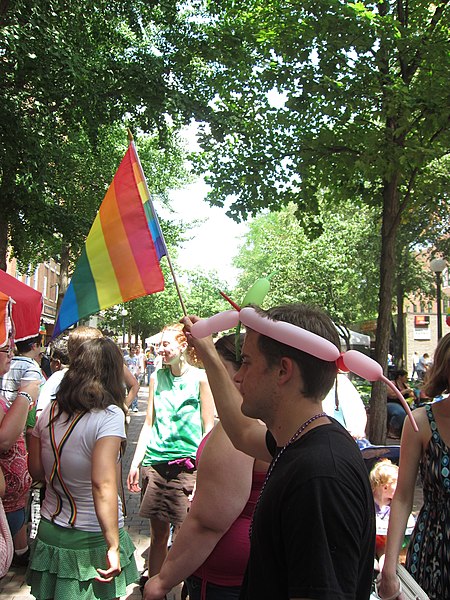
x=165 y=493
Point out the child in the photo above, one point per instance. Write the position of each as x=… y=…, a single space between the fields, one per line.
x=383 y=481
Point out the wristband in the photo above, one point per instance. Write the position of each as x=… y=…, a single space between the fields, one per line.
x=27 y=396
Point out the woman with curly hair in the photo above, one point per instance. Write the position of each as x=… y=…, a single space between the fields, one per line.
x=180 y=411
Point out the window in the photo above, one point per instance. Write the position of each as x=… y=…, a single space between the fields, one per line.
x=44 y=287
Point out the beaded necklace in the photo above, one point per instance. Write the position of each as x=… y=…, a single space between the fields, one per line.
x=275 y=459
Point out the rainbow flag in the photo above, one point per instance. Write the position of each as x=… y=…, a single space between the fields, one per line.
x=120 y=260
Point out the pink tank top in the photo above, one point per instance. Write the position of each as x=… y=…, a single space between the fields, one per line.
x=227 y=562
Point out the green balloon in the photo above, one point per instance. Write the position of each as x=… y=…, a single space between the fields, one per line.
x=257 y=292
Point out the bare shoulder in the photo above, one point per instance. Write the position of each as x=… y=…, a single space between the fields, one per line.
x=420 y=415
x=410 y=437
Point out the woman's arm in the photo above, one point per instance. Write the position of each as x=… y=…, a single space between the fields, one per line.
x=247 y=435
x=206 y=405
x=223 y=480
x=104 y=492
x=2 y=484
x=12 y=422
x=412 y=446
x=133 y=474
x=35 y=466
x=132 y=385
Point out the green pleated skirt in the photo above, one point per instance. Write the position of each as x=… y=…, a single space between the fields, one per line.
x=64 y=565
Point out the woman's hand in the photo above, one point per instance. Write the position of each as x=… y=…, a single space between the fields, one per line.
x=113 y=560
x=133 y=480
x=154 y=590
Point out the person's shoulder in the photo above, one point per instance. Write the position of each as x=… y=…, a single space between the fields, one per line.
x=113 y=409
x=110 y=414
x=55 y=379
x=328 y=446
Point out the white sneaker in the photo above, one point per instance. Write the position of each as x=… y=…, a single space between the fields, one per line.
x=135 y=409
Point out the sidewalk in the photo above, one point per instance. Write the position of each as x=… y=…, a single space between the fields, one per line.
x=13 y=586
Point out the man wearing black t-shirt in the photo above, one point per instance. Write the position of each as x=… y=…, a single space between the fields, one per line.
x=313 y=531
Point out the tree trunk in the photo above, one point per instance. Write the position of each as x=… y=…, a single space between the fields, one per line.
x=3 y=243
x=377 y=433
x=400 y=337
x=6 y=196
x=63 y=275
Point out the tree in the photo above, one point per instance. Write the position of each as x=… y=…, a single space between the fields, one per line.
x=202 y=293
x=70 y=74
x=148 y=315
x=351 y=97
x=334 y=270
x=425 y=227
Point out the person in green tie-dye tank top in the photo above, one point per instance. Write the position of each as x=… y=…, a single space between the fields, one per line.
x=180 y=412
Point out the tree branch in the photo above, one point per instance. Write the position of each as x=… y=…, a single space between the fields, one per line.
x=410 y=70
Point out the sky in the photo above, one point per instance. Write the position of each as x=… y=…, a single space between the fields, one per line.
x=215 y=241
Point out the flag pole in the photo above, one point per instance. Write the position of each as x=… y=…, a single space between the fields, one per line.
x=183 y=307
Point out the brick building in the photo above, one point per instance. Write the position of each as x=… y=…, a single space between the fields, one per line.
x=420 y=324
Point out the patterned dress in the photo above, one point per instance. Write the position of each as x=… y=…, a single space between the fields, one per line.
x=428 y=558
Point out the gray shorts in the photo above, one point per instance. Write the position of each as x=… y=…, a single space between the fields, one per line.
x=165 y=493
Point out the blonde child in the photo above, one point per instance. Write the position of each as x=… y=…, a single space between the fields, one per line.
x=383 y=481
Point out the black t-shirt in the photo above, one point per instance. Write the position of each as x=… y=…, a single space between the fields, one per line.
x=314 y=528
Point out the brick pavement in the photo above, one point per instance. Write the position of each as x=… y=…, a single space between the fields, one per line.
x=13 y=586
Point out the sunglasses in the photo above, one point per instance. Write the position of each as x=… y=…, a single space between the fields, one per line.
x=9 y=350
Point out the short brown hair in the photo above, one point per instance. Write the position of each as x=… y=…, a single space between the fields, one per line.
x=318 y=375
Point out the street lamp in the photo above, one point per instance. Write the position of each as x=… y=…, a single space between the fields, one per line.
x=437 y=265
x=124 y=313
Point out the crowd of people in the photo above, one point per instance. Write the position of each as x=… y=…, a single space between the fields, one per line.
x=249 y=470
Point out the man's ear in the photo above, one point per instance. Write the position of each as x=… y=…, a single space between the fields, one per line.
x=285 y=369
